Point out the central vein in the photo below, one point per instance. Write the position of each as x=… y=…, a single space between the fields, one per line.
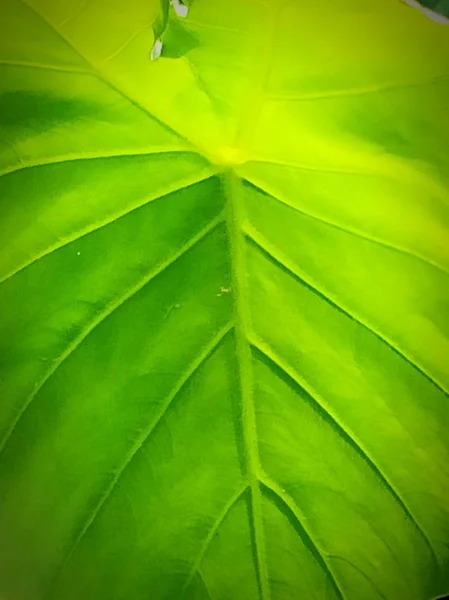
x=231 y=186
x=235 y=217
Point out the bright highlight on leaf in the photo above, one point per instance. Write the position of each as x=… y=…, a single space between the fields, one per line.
x=224 y=292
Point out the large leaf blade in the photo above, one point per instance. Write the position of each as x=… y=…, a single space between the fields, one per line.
x=179 y=315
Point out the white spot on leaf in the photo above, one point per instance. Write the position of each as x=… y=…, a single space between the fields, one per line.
x=180 y=9
x=156 y=50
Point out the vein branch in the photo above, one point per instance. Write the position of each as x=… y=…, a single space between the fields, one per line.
x=45 y=67
x=299 y=520
x=72 y=158
x=194 y=366
x=273 y=253
x=108 y=310
x=357 y=92
x=210 y=536
x=347 y=229
x=109 y=219
x=347 y=435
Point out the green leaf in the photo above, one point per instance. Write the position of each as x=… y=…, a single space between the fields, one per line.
x=161 y=22
x=178 y=40
x=438 y=10
x=224 y=302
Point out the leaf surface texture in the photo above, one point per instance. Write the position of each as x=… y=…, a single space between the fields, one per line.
x=224 y=301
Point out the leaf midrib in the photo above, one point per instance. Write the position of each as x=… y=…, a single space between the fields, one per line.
x=245 y=374
x=249 y=119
